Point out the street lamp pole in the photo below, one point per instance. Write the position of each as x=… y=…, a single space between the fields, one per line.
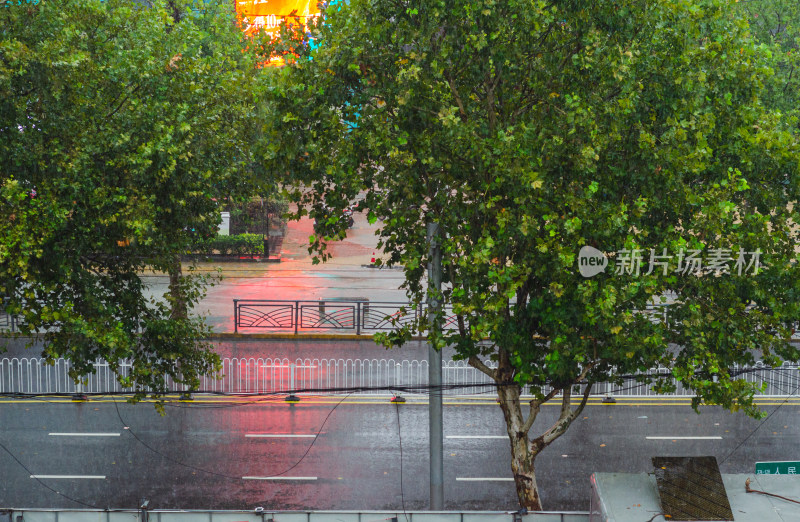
x=435 y=370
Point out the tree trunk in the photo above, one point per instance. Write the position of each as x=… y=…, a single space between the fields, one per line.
x=177 y=299
x=525 y=482
x=522 y=465
x=524 y=450
x=522 y=454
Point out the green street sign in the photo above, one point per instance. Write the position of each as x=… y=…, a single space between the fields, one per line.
x=786 y=467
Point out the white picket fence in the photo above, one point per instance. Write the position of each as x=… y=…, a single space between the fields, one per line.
x=335 y=376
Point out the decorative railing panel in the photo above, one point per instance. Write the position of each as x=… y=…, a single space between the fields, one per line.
x=333 y=315
x=265 y=315
x=326 y=316
x=343 y=315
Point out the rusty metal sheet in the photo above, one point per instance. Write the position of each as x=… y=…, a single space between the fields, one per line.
x=691 y=488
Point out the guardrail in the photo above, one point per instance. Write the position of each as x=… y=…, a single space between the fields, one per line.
x=378 y=377
x=346 y=314
x=355 y=315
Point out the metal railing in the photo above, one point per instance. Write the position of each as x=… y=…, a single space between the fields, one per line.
x=352 y=315
x=378 y=377
x=355 y=315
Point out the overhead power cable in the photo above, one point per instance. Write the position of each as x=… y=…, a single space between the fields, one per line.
x=760 y=424
x=33 y=476
x=269 y=395
x=223 y=475
x=478 y=388
x=349 y=391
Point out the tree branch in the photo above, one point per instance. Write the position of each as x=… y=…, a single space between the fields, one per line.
x=788 y=80
x=535 y=405
x=479 y=365
x=567 y=415
x=118 y=107
x=460 y=104
x=490 y=110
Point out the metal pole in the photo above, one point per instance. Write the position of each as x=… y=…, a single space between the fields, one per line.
x=235 y=316
x=435 y=371
x=358 y=317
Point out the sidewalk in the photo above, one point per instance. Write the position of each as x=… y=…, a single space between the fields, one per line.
x=346 y=275
x=295 y=277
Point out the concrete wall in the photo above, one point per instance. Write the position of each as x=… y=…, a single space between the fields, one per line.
x=40 y=515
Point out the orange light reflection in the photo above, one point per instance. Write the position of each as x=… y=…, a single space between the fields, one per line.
x=267 y=15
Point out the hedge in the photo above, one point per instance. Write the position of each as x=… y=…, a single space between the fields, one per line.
x=238 y=245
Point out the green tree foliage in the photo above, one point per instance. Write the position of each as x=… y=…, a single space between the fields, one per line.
x=529 y=130
x=257 y=216
x=121 y=126
x=776 y=24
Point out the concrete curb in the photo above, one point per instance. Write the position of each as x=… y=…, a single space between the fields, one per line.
x=215 y=258
x=292 y=336
x=245 y=336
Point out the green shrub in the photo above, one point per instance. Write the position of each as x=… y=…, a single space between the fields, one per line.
x=257 y=216
x=238 y=245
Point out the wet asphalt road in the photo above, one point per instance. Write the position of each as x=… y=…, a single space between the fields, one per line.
x=106 y=454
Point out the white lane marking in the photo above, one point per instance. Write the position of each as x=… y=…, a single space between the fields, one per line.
x=476 y=437
x=482 y=479
x=278 y=436
x=84 y=434
x=279 y=478
x=101 y=477
x=714 y=437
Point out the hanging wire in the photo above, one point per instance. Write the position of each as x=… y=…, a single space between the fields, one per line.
x=33 y=476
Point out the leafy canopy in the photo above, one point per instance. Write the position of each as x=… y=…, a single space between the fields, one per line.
x=528 y=130
x=121 y=128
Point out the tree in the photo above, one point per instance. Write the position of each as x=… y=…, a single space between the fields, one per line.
x=121 y=127
x=256 y=216
x=530 y=130
x=776 y=24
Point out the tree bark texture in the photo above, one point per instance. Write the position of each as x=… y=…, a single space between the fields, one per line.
x=524 y=450
x=178 y=300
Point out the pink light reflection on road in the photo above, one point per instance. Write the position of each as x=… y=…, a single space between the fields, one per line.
x=295 y=277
